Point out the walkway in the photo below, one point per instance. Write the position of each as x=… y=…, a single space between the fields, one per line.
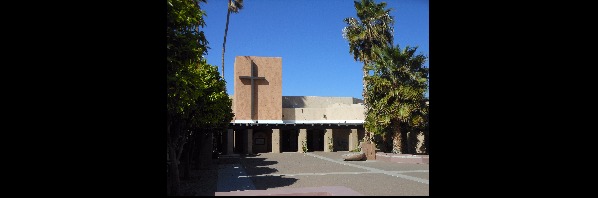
x=232 y=177
x=276 y=171
x=375 y=170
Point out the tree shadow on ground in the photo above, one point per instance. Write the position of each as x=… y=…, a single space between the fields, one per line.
x=257 y=167
x=202 y=182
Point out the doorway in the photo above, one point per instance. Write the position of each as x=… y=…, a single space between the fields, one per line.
x=288 y=140
x=315 y=139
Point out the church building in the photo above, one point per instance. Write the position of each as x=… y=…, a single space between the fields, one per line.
x=265 y=121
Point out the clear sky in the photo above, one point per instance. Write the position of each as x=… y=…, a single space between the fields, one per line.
x=307 y=34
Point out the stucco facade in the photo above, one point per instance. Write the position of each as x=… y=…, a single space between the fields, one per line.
x=267 y=92
x=321 y=109
x=266 y=121
x=324 y=109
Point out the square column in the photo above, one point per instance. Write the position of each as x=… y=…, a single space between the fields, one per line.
x=230 y=140
x=239 y=137
x=301 y=139
x=249 y=141
x=275 y=140
x=353 y=140
x=328 y=141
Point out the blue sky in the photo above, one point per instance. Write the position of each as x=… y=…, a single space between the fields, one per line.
x=307 y=34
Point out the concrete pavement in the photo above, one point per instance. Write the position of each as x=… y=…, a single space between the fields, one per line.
x=315 y=170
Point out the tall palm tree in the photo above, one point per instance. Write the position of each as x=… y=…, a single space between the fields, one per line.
x=396 y=90
x=233 y=6
x=372 y=28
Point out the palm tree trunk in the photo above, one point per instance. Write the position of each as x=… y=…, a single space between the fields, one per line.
x=426 y=139
x=369 y=136
x=404 y=140
x=387 y=142
x=365 y=73
x=224 y=43
x=397 y=139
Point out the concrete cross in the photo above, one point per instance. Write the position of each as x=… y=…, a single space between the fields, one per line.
x=252 y=78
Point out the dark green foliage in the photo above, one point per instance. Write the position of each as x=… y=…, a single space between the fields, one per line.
x=396 y=92
x=372 y=28
x=393 y=95
x=197 y=102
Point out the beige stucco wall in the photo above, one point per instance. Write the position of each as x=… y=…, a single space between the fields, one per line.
x=315 y=107
x=268 y=99
x=339 y=112
x=268 y=92
x=334 y=111
x=316 y=101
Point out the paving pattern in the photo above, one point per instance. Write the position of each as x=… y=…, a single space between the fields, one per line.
x=232 y=177
x=375 y=170
x=316 y=169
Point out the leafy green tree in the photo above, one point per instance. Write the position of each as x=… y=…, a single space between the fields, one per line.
x=185 y=46
x=212 y=113
x=233 y=6
x=372 y=28
x=396 y=91
x=196 y=100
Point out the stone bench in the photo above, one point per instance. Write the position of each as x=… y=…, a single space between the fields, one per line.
x=353 y=156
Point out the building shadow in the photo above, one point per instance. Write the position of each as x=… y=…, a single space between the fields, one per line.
x=296 y=103
x=257 y=168
x=293 y=102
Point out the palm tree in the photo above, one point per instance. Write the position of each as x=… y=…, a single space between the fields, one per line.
x=373 y=28
x=233 y=6
x=396 y=90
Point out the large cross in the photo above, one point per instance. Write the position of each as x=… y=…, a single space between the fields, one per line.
x=252 y=78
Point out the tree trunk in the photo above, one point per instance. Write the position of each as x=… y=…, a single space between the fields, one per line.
x=368 y=137
x=365 y=74
x=414 y=141
x=404 y=141
x=197 y=153
x=174 y=173
x=409 y=142
x=206 y=151
x=183 y=166
x=225 y=33
x=387 y=142
x=397 y=140
x=186 y=163
x=426 y=140
x=192 y=154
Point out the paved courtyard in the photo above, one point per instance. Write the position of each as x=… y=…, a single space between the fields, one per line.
x=267 y=171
